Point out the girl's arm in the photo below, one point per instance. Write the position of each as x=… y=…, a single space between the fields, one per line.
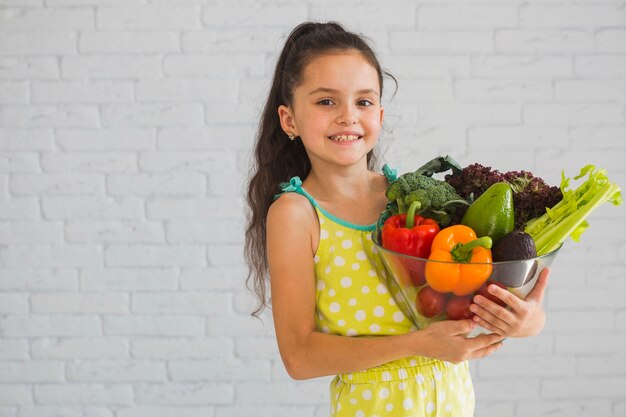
x=309 y=353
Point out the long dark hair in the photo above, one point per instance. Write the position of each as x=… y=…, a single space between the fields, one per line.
x=276 y=158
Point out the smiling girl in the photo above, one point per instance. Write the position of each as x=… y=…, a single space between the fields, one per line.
x=332 y=313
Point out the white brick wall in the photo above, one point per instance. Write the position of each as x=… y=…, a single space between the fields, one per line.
x=125 y=132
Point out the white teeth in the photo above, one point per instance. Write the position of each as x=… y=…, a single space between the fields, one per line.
x=345 y=138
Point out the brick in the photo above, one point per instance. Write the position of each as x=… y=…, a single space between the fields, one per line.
x=26 y=139
x=16 y=394
x=596 y=136
x=590 y=341
x=225 y=255
x=584 y=388
x=273 y=410
x=44 y=326
x=188 y=394
x=516 y=137
x=256 y=348
x=51 y=256
x=14 y=304
x=149 y=17
x=590 y=90
x=111 y=67
x=466 y=17
x=22 y=232
x=570 y=114
x=13 y=92
x=80 y=348
x=162 y=411
x=27 y=68
x=231 y=39
x=52 y=184
x=88 y=231
x=177 y=348
x=200 y=303
x=490 y=408
x=180 y=89
x=81 y=92
x=216 y=65
x=18 y=116
x=601 y=365
x=568 y=16
x=147 y=185
x=509 y=389
x=116 y=138
x=611 y=40
x=516 y=348
x=46 y=19
x=470 y=114
x=234 y=325
x=89 y=162
x=120 y=42
x=196 y=208
x=488 y=90
x=185 y=161
x=19 y=162
x=544 y=41
x=256 y=14
x=440 y=41
x=563 y=321
x=600 y=66
x=39 y=280
x=151 y=256
x=38 y=43
x=155 y=325
x=184 y=231
x=223 y=138
x=219 y=370
x=122 y=279
x=85 y=394
x=65 y=411
x=373 y=15
x=57 y=208
x=14 y=349
x=574 y=407
x=212 y=278
x=116 y=370
x=32 y=371
x=584 y=298
x=67 y=303
x=532 y=66
x=162 y=114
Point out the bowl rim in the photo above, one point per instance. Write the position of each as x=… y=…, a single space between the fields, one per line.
x=516 y=261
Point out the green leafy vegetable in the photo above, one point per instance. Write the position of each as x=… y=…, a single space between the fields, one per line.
x=567 y=217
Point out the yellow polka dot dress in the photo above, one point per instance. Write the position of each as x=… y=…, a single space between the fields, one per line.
x=352 y=300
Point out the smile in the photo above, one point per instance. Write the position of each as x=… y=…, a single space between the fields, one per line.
x=345 y=138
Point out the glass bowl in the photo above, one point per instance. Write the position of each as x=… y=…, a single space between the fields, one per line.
x=405 y=278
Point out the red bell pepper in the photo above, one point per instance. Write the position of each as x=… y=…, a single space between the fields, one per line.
x=413 y=235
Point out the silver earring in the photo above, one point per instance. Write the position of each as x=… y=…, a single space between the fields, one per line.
x=292 y=137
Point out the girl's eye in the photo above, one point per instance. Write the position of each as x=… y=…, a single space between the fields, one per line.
x=365 y=103
x=325 y=102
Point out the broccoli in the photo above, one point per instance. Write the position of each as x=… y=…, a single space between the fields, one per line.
x=437 y=198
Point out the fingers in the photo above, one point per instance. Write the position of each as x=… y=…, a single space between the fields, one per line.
x=538 y=291
x=487 y=350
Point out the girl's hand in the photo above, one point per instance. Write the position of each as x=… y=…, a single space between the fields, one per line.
x=523 y=318
x=445 y=340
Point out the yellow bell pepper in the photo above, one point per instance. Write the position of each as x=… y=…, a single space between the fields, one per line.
x=459 y=262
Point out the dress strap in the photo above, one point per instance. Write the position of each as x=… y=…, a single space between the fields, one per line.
x=295 y=185
x=390 y=173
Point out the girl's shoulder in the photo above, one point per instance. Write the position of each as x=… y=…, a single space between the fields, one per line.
x=292 y=209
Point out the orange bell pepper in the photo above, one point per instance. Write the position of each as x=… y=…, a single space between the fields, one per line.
x=461 y=262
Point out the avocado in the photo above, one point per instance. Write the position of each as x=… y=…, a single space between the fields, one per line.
x=516 y=245
x=491 y=214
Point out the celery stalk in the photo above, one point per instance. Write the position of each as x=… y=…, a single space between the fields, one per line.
x=567 y=217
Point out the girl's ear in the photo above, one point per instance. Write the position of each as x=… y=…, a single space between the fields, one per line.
x=287 y=121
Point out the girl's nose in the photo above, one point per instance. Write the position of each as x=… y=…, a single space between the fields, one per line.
x=347 y=116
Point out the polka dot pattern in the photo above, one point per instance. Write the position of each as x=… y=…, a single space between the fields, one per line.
x=352 y=300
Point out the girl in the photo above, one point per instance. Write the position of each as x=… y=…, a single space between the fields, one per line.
x=332 y=312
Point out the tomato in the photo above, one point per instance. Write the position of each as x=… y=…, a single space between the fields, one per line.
x=458 y=307
x=483 y=291
x=429 y=302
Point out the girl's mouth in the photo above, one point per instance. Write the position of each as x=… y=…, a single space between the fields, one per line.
x=345 y=138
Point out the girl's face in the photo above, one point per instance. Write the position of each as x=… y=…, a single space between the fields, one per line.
x=336 y=109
